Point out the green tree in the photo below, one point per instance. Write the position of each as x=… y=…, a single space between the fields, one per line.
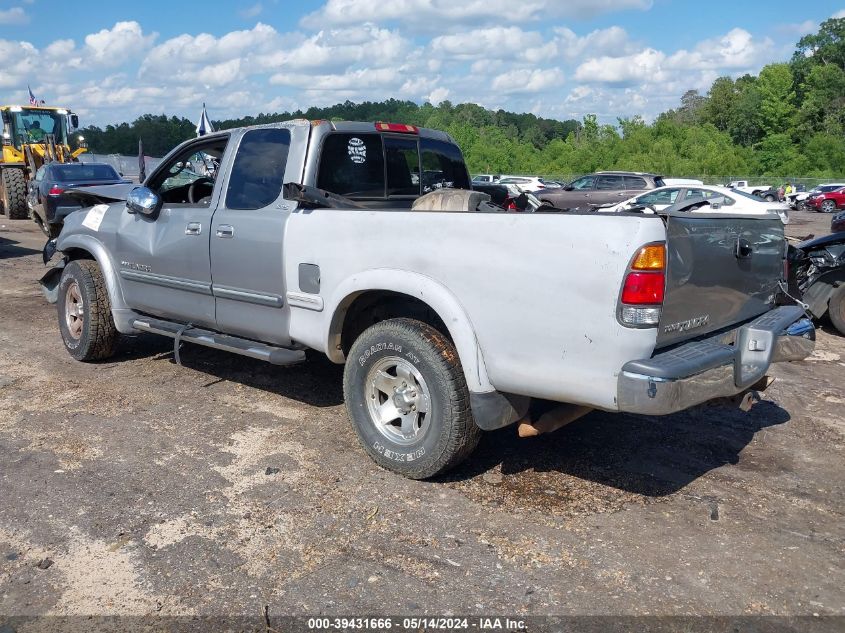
x=777 y=99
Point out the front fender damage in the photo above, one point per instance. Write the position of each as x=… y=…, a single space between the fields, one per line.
x=50 y=281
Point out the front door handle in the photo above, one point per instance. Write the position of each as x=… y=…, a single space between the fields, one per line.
x=193 y=228
x=226 y=231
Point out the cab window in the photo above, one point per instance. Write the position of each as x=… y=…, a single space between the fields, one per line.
x=442 y=165
x=258 y=171
x=189 y=177
x=352 y=165
x=403 y=166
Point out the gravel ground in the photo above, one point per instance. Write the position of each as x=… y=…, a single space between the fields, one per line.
x=137 y=487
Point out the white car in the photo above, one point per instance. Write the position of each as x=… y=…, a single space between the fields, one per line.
x=528 y=183
x=728 y=199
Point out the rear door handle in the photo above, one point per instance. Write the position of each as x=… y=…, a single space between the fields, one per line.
x=193 y=228
x=225 y=231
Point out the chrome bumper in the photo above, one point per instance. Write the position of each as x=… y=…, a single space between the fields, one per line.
x=714 y=368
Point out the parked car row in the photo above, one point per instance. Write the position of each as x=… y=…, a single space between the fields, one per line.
x=814 y=199
x=530 y=184
x=731 y=200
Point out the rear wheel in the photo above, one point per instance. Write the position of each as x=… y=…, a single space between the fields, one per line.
x=13 y=193
x=84 y=310
x=829 y=206
x=836 y=309
x=407 y=399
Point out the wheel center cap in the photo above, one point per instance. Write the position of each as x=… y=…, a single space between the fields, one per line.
x=404 y=399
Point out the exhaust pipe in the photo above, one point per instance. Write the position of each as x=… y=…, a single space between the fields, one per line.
x=552 y=420
x=748 y=398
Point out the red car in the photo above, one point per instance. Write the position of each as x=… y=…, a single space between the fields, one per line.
x=828 y=202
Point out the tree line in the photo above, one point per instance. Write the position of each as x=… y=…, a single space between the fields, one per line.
x=787 y=121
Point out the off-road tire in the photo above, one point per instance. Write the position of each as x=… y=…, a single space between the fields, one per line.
x=836 y=309
x=451 y=433
x=98 y=336
x=13 y=193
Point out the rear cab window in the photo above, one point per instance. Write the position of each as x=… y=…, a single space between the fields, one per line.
x=374 y=166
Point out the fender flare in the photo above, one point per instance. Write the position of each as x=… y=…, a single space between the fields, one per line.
x=429 y=291
x=98 y=251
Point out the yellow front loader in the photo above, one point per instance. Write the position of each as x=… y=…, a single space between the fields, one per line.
x=32 y=136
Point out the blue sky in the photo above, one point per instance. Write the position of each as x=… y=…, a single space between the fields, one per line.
x=114 y=61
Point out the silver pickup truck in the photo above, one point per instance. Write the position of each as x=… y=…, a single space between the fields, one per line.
x=363 y=241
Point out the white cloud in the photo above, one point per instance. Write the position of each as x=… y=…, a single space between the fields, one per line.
x=434 y=14
x=642 y=66
x=15 y=15
x=113 y=47
x=531 y=81
x=839 y=14
x=438 y=95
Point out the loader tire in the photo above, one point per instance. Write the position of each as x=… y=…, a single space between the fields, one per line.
x=13 y=194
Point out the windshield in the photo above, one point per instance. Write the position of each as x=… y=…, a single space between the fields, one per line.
x=31 y=125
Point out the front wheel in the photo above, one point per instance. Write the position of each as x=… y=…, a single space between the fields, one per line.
x=84 y=310
x=829 y=206
x=407 y=399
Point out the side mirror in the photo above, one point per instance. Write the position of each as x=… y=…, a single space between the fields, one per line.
x=144 y=201
x=74 y=121
x=569 y=188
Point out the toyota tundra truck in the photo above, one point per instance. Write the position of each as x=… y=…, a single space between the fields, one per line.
x=365 y=242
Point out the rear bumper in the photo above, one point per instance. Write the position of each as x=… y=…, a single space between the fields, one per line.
x=718 y=367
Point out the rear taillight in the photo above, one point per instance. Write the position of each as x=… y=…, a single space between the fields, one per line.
x=56 y=191
x=644 y=288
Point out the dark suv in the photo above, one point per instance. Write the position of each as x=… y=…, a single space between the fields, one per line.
x=602 y=187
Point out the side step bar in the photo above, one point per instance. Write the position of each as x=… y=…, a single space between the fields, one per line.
x=210 y=338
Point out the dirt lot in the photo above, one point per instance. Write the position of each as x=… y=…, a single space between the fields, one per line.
x=139 y=486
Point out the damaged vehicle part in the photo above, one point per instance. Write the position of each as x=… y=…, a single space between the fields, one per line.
x=817 y=275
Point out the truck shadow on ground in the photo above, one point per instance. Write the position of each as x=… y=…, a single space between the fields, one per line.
x=651 y=456
x=317 y=382
x=10 y=249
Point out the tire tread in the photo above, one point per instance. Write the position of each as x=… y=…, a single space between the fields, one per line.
x=463 y=434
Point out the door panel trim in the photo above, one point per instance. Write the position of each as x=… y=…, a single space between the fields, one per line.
x=248 y=296
x=167 y=281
